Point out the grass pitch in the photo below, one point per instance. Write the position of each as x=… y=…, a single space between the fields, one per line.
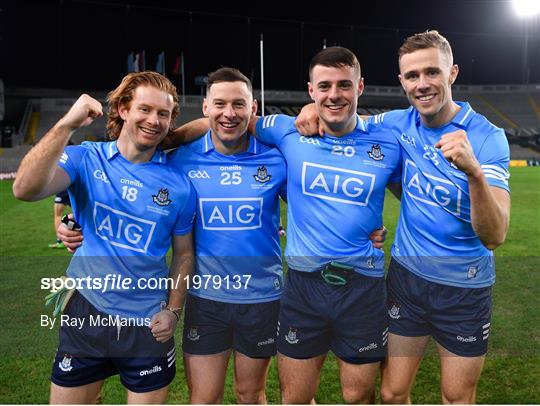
x=510 y=374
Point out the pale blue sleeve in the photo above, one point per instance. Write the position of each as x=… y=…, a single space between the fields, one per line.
x=494 y=157
x=273 y=128
x=71 y=159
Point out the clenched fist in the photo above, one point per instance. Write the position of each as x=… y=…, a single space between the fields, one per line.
x=457 y=149
x=85 y=110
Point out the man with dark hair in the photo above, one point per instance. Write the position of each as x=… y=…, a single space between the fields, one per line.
x=335 y=295
x=238 y=182
x=133 y=205
x=454 y=212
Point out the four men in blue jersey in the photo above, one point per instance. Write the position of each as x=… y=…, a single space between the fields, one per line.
x=455 y=209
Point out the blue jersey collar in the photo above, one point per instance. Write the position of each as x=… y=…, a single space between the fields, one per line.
x=159 y=156
x=208 y=146
x=462 y=118
x=361 y=125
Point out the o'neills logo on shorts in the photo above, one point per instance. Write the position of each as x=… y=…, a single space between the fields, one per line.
x=469 y=339
x=371 y=346
x=266 y=342
x=155 y=369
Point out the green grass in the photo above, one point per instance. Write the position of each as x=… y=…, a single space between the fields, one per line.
x=510 y=374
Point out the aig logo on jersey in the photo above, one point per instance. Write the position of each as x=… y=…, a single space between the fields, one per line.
x=431 y=190
x=122 y=229
x=231 y=214
x=337 y=184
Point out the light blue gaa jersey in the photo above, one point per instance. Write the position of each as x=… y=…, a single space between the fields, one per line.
x=335 y=187
x=236 y=229
x=434 y=238
x=129 y=214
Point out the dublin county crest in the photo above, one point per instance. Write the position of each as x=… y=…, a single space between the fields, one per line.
x=162 y=198
x=193 y=335
x=262 y=175
x=65 y=365
x=376 y=153
x=393 y=312
x=291 y=336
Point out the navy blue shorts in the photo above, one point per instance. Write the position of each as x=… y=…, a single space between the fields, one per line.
x=62 y=198
x=96 y=352
x=350 y=320
x=457 y=318
x=211 y=327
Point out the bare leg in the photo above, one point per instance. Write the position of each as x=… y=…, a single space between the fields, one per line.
x=299 y=378
x=155 y=397
x=250 y=379
x=205 y=376
x=358 y=382
x=459 y=377
x=400 y=368
x=87 y=394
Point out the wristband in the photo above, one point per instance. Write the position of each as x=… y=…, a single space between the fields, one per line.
x=175 y=310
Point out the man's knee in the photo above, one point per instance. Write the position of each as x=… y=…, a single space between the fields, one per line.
x=246 y=394
x=458 y=396
x=390 y=395
x=358 y=395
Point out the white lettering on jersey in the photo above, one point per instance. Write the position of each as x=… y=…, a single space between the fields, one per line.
x=430 y=189
x=122 y=229
x=231 y=214
x=337 y=184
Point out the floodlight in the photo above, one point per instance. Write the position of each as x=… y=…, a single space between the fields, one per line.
x=527 y=8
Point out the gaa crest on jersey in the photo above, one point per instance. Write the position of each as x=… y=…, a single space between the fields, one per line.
x=65 y=364
x=262 y=175
x=291 y=336
x=393 y=312
x=376 y=153
x=193 y=335
x=162 y=197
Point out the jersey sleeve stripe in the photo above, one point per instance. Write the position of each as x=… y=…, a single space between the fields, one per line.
x=503 y=180
x=495 y=169
x=498 y=174
x=269 y=120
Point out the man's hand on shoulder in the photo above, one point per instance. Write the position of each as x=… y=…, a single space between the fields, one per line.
x=307 y=123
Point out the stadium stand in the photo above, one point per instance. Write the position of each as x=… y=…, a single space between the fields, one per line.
x=516 y=108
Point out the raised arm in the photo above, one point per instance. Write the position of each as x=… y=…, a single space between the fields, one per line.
x=490 y=205
x=38 y=175
x=188 y=132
